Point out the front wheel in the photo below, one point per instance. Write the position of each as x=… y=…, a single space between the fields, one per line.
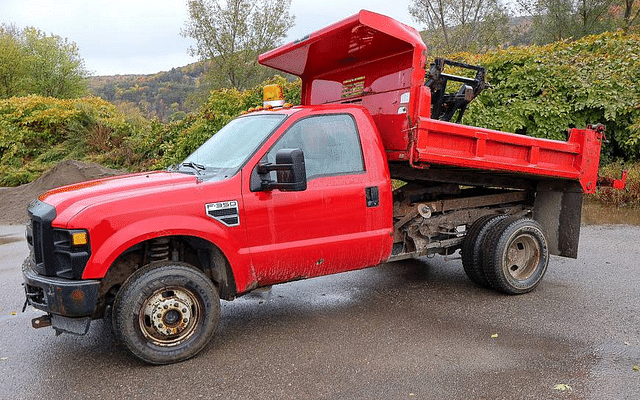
x=516 y=255
x=166 y=312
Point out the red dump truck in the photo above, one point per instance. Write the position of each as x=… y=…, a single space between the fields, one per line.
x=284 y=193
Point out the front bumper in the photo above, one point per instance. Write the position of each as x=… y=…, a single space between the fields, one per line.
x=59 y=296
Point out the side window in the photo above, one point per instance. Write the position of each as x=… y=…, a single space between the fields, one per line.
x=330 y=143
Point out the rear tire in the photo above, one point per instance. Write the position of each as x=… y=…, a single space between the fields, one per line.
x=516 y=255
x=473 y=245
x=166 y=312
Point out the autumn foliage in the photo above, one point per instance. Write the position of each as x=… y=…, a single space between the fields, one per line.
x=38 y=132
x=536 y=90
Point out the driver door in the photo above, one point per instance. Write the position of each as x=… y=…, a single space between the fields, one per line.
x=330 y=226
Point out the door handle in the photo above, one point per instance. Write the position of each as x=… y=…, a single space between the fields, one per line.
x=373 y=196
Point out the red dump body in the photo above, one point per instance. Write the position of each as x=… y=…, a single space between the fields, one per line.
x=377 y=62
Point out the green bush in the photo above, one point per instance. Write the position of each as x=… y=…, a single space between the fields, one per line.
x=37 y=132
x=542 y=91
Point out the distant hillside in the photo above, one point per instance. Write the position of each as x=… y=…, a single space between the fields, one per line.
x=170 y=95
x=167 y=95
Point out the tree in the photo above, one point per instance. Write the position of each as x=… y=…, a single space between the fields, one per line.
x=626 y=13
x=55 y=66
x=32 y=62
x=555 y=20
x=12 y=62
x=234 y=34
x=462 y=25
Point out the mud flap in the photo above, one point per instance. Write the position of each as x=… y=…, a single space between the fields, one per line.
x=558 y=208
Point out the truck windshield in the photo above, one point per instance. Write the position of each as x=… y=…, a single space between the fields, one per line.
x=233 y=144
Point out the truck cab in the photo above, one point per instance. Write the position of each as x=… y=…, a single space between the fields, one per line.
x=242 y=210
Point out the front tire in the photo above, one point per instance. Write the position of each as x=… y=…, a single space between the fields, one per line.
x=516 y=255
x=166 y=312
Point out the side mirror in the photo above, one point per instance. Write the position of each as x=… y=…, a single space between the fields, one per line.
x=290 y=172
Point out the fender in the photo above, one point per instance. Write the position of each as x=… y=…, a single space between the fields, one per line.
x=172 y=225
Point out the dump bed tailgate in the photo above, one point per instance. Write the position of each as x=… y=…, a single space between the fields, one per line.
x=445 y=143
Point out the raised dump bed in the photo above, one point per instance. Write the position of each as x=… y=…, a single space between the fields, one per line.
x=379 y=63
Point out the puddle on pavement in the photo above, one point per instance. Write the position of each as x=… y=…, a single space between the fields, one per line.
x=598 y=214
x=6 y=239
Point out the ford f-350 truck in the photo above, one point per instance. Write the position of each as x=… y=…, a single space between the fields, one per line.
x=284 y=193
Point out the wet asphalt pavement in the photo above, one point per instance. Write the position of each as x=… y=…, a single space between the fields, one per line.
x=409 y=330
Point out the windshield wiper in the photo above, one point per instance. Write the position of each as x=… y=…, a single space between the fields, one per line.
x=195 y=166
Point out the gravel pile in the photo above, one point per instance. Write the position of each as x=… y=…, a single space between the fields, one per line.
x=14 y=200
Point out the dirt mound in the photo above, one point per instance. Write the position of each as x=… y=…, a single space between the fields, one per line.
x=14 y=201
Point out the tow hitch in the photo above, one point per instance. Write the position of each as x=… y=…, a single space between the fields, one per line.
x=41 y=322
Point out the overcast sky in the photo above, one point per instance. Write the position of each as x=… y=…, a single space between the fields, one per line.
x=143 y=36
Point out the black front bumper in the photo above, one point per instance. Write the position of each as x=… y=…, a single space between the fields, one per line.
x=59 y=296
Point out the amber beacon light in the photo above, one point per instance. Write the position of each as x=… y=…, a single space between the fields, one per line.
x=273 y=96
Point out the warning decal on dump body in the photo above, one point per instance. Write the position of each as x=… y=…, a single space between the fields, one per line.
x=353 y=87
x=225 y=211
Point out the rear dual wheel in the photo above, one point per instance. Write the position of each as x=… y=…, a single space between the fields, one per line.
x=509 y=254
x=516 y=255
x=472 y=247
